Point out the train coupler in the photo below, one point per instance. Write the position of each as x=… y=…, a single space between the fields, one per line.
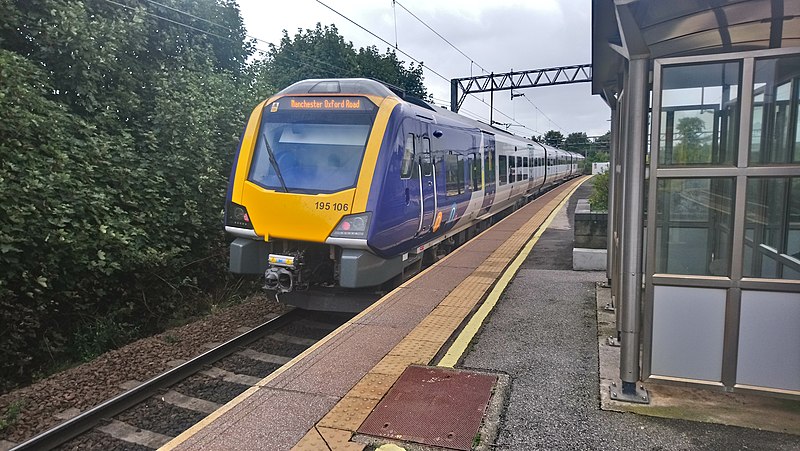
x=283 y=274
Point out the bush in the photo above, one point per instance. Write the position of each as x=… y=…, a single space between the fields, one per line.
x=599 y=198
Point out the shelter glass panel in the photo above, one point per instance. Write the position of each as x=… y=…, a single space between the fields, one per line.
x=693 y=226
x=772 y=228
x=776 y=94
x=699 y=114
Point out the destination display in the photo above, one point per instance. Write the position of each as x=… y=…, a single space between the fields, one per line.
x=322 y=104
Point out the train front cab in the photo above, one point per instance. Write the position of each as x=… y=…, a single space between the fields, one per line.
x=297 y=180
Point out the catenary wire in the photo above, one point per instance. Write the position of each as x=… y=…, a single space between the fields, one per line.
x=418 y=62
x=438 y=34
x=298 y=61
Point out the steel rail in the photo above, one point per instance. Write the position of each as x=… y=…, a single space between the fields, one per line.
x=87 y=420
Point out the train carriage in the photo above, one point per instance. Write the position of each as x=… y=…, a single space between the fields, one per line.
x=342 y=188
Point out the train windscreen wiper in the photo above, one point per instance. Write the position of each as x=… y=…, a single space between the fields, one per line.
x=274 y=163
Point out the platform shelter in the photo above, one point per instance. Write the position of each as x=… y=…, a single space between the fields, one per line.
x=704 y=228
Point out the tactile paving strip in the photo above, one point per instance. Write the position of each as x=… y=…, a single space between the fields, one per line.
x=432 y=406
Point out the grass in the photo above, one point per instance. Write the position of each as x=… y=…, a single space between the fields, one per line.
x=476 y=441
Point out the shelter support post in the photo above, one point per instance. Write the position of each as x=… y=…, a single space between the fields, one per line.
x=633 y=160
x=612 y=150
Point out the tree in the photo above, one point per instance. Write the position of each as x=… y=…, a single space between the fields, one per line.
x=324 y=53
x=553 y=138
x=689 y=147
x=577 y=142
x=371 y=64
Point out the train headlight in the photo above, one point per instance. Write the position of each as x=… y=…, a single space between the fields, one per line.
x=237 y=216
x=352 y=226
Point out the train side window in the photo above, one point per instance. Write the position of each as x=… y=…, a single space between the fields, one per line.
x=461 y=168
x=503 y=170
x=426 y=156
x=512 y=169
x=525 y=163
x=520 y=169
x=488 y=165
x=475 y=171
x=407 y=165
x=452 y=178
x=470 y=176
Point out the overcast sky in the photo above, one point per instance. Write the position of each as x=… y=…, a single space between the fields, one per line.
x=498 y=36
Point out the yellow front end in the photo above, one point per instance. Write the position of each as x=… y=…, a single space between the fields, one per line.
x=276 y=214
x=294 y=216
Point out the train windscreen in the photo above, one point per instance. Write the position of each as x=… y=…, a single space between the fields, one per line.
x=312 y=144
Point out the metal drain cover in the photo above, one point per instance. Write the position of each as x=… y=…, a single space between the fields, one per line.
x=433 y=406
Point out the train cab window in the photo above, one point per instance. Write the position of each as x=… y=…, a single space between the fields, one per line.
x=426 y=156
x=503 y=170
x=520 y=169
x=525 y=165
x=407 y=165
x=306 y=150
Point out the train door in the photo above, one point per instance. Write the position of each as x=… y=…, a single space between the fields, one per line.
x=418 y=200
x=427 y=180
x=489 y=178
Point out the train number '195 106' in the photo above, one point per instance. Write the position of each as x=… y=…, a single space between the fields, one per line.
x=335 y=206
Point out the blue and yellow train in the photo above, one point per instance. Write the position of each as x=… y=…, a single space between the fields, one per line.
x=342 y=188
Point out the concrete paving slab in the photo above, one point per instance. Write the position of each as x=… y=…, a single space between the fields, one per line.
x=334 y=368
x=289 y=414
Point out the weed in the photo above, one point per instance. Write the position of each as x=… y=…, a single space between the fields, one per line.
x=102 y=335
x=12 y=413
x=476 y=441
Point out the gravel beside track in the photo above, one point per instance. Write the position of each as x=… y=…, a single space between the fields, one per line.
x=242 y=365
x=214 y=390
x=94 y=440
x=158 y=416
x=84 y=386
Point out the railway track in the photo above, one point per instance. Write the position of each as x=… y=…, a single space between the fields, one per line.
x=149 y=414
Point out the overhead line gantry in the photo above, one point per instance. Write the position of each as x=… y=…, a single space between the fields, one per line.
x=460 y=88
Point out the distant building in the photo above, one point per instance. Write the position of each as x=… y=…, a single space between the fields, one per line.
x=599 y=168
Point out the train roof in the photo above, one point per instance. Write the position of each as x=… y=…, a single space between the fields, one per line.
x=367 y=86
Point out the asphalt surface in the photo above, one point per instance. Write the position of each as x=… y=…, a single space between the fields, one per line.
x=543 y=334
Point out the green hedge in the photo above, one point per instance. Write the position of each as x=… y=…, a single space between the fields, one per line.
x=117 y=132
x=598 y=200
x=99 y=241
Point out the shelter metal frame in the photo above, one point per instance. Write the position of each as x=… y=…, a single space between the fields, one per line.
x=736 y=282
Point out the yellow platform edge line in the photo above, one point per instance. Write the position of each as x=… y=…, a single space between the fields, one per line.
x=460 y=344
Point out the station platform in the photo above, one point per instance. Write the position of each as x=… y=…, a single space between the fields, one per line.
x=505 y=304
